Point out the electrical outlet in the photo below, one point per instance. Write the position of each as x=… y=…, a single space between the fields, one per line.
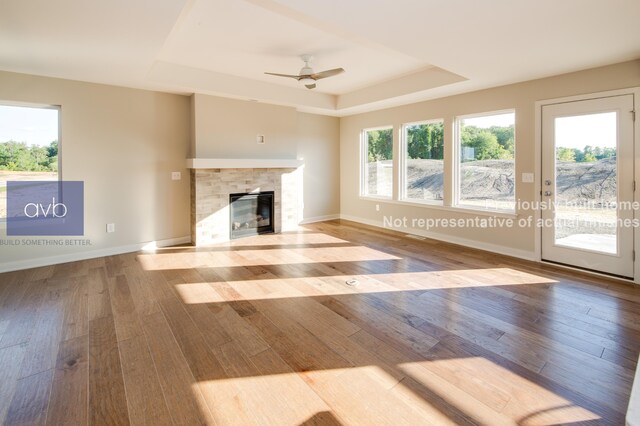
x=527 y=177
x=260 y=139
x=176 y=175
x=111 y=227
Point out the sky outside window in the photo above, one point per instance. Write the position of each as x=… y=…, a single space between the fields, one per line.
x=34 y=126
x=596 y=130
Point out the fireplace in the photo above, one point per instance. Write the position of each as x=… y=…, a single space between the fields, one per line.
x=211 y=202
x=251 y=214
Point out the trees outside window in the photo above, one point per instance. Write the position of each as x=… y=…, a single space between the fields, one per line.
x=423 y=161
x=29 y=147
x=486 y=161
x=482 y=170
x=377 y=162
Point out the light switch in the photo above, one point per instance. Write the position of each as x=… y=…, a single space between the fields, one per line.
x=527 y=177
x=260 y=139
x=176 y=175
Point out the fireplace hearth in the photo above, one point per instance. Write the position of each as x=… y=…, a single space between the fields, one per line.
x=251 y=214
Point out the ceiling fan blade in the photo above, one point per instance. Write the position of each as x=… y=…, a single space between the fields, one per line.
x=310 y=86
x=327 y=73
x=297 y=77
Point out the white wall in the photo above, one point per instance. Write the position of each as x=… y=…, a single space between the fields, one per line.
x=227 y=128
x=124 y=144
x=522 y=98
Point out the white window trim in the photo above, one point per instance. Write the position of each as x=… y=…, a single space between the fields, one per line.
x=509 y=214
x=402 y=172
x=3 y=220
x=455 y=202
x=363 y=155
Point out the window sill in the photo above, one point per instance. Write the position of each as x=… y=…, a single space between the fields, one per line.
x=457 y=209
x=486 y=212
x=375 y=198
x=426 y=203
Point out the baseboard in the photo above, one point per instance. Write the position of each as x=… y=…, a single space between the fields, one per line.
x=319 y=219
x=494 y=248
x=72 y=257
x=90 y=254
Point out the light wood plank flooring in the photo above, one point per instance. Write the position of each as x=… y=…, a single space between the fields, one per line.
x=265 y=330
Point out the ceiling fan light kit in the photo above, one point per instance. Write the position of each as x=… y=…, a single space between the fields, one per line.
x=306 y=76
x=306 y=80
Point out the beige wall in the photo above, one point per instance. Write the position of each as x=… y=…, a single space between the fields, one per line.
x=318 y=145
x=227 y=128
x=521 y=97
x=124 y=144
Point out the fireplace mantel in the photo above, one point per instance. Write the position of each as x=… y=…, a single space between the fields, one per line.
x=243 y=163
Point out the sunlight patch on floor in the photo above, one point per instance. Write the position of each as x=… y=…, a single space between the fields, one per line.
x=283 y=399
x=473 y=386
x=195 y=293
x=282 y=239
x=462 y=278
x=362 y=394
x=495 y=387
x=269 y=287
x=287 y=238
x=261 y=257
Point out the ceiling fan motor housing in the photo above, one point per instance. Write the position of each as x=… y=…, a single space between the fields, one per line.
x=306 y=70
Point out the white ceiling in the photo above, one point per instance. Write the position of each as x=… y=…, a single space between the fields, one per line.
x=393 y=51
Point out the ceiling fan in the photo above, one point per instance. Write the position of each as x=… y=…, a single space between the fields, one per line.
x=307 y=76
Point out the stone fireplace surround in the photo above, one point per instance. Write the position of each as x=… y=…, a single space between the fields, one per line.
x=210 y=189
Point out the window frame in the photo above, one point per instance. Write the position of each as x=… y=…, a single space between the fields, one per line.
x=402 y=164
x=58 y=108
x=456 y=151
x=364 y=151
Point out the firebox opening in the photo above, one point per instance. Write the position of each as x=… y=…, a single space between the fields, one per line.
x=251 y=214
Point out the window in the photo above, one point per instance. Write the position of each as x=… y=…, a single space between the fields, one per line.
x=423 y=161
x=486 y=161
x=28 y=146
x=377 y=163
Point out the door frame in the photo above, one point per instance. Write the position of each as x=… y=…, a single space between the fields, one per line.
x=635 y=91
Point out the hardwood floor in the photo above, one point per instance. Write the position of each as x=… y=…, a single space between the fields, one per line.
x=265 y=330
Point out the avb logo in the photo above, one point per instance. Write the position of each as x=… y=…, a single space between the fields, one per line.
x=45 y=208
x=33 y=210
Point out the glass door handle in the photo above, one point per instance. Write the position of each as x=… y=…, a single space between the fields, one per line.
x=547 y=182
x=547 y=193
